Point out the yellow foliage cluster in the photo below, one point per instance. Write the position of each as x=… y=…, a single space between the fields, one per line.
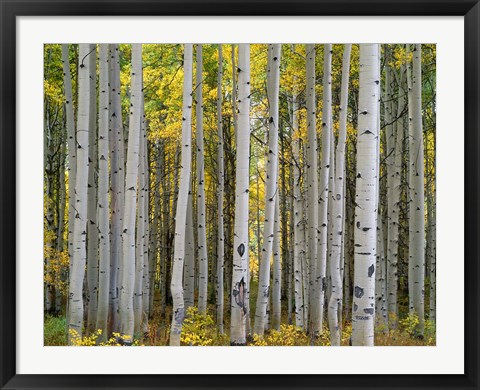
x=288 y=335
x=406 y=332
x=116 y=340
x=198 y=329
x=56 y=268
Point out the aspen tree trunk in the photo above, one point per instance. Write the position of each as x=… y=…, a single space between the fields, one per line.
x=271 y=188
x=220 y=195
x=140 y=230
x=390 y=168
x=239 y=306
x=338 y=200
x=331 y=188
x=146 y=238
x=234 y=94
x=72 y=147
x=75 y=296
x=189 y=271
x=416 y=269
x=201 y=228
x=348 y=245
x=323 y=196
x=156 y=250
x=290 y=247
x=277 y=270
x=92 y=230
x=393 y=238
x=182 y=201
x=61 y=223
x=131 y=192
x=431 y=238
x=103 y=205
x=297 y=217
x=117 y=193
x=312 y=190
x=380 y=299
x=433 y=261
x=366 y=197
x=165 y=258
x=284 y=264
x=306 y=247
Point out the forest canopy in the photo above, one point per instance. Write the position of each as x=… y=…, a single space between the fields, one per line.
x=237 y=194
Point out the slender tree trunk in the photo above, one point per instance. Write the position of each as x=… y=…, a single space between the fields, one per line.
x=416 y=269
x=75 y=296
x=433 y=254
x=72 y=154
x=117 y=200
x=60 y=277
x=393 y=236
x=271 y=187
x=277 y=269
x=298 y=231
x=240 y=255
x=140 y=230
x=366 y=198
x=103 y=205
x=92 y=229
x=323 y=198
x=338 y=206
x=312 y=190
x=189 y=271
x=182 y=201
x=201 y=228
x=146 y=239
x=131 y=193
x=71 y=142
x=220 y=195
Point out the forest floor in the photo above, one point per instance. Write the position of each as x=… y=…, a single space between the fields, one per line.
x=201 y=330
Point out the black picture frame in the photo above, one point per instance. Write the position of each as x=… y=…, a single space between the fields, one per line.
x=9 y=10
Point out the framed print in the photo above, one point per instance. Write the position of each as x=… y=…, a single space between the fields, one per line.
x=239 y=194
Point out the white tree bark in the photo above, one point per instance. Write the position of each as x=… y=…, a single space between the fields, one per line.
x=75 y=296
x=131 y=192
x=298 y=233
x=312 y=190
x=189 y=266
x=271 y=187
x=277 y=269
x=393 y=232
x=338 y=206
x=117 y=199
x=146 y=235
x=103 y=205
x=416 y=268
x=182 y=201
x=92 y=230
x=433 y=259
x=140 y=230
x=220 y=195
x=320 y=274
x=363 y=319
x=72 y=147
x=201 y=228
x=239 y=306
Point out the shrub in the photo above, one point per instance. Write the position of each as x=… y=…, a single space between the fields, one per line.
x=198 y=329
x=93 y=340
x=288 y=335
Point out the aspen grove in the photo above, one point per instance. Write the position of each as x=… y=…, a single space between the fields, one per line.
x=239 y=194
